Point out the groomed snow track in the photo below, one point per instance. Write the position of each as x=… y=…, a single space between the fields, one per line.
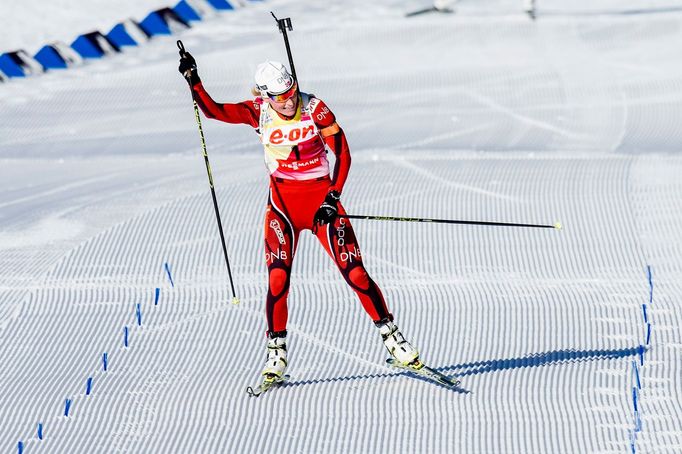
x=572 y=119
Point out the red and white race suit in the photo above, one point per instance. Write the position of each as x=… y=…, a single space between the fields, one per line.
x=296 y=158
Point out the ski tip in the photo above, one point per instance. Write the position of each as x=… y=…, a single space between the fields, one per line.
x=557 y=225
x=251 y=392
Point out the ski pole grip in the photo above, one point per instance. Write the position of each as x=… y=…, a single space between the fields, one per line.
x=181 y=47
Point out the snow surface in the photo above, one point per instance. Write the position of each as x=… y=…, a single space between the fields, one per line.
x=476 y=115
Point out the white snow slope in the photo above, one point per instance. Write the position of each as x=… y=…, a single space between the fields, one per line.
x=479 y=115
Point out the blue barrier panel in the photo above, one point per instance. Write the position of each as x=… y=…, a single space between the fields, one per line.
x=50 y=58
x=186 y=12
x=93 y=45
x=86 y=48
x=10 y=66
x=220 y=4
x=67 y=53
x=164 y=21
x=154 y=24
x=120 y=37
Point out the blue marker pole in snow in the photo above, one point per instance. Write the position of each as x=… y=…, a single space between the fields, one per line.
x=646 y=320
x=632 y=441
x=634 y=397
x=125 y=336
x=651 y=283
x=168 y=272
x=156 y=296
x=105 y=360
x=640 y=350
x=40 y=431
x=88 y=386
x=648 y=333
x=138 y=313
x=20 y=447
x=634 y=365
x=67 y=407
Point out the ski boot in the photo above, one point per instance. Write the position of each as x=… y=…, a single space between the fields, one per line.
x=276 y=363
x=401 y=350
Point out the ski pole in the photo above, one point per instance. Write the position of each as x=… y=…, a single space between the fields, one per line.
x=556 y=225
x=235 y=300
x=284 y=25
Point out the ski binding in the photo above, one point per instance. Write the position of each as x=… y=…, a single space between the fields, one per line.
x=268 y=382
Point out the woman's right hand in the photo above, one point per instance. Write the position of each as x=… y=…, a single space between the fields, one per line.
x=188 y=68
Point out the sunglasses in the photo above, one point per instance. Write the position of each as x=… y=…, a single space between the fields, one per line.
x=290 y=93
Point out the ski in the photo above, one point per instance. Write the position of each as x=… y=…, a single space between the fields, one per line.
x=425 y=371
x=265 y=385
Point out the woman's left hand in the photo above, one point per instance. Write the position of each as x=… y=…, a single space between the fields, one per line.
x=328 y=210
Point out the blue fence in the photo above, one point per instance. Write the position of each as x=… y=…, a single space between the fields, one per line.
x=95 y=44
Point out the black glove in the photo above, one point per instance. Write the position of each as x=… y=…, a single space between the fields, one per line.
x=188 y=68
x=328 y=210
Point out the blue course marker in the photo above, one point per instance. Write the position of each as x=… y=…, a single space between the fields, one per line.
x=20 y=447
x=10 y=67
x=634 y=398
x=120 y=36
x=640 y=351
x=634 y=365
x=168 y=272
x=651 y=283
x=157 y=292
x=86 y=49
x=50 y=58
x=105 y=361
x=220 y=4
x=125 y=336
x=632 y=443
x=67 y=407
x=40 y=431
x=154 y=25
x=88 y=386
x=138 y=313
x=185 y=12
x=648 y=333
x=646 y=320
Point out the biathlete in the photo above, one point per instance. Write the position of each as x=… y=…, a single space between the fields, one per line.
x=296 y=130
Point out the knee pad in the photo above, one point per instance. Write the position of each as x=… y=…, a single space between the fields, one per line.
x=279 y=280
x=359 y=278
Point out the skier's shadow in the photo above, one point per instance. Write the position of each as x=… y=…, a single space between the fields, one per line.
x=483 y=367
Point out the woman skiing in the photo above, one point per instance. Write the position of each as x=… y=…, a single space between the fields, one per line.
x=296 y=129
